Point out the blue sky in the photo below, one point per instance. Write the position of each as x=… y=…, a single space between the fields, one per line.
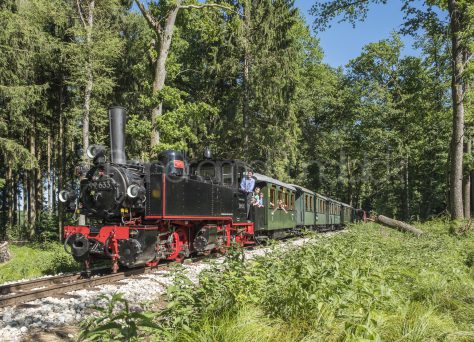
x=342 y=42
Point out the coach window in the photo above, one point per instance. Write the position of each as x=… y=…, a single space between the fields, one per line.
x=227 y=175
x=272 y=196
x=292 y=201
x=311 y=208
x=287 y=202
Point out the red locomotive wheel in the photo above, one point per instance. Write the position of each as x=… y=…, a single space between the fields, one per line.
x=179 y=245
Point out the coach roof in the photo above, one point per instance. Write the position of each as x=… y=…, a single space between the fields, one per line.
x=262 y=178
x=303 y=189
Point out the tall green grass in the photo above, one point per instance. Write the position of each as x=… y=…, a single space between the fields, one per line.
x=35 y=260
x=367 y=284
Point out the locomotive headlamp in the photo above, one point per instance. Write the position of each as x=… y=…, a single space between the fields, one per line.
x=66 y=196
x=133 y=191
x=95 y=151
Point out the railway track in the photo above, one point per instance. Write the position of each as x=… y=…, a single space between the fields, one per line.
x=19 y=293
x=23 y=292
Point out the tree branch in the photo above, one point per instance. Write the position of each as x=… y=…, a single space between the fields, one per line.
x=149 y=18
x=210 y=6
x=79 y=9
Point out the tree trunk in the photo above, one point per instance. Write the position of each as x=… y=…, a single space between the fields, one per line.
x=406 y=190
x=159 y=79
x=246 y=78
x=48 y=174
x=32 y=189
x=26 y=218
x=61 y=161
x=8 y=195
x=4 y=253
x=402 y=226
x=90 y=78
x=16 y=178
x=165 y=35
x=456 y=172
x=467 y=185
x=349 y=181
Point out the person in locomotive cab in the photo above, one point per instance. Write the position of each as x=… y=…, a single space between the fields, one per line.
x=247 y=185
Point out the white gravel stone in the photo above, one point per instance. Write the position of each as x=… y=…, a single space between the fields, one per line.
x=49 y=313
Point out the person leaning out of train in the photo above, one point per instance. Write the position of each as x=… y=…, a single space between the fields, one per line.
x=247 y=185
x=260 y=200
x=281 y=206
x=256 y=196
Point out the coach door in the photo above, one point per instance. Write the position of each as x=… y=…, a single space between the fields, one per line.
x=328 y=212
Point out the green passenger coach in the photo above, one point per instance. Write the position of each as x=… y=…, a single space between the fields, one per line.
x=288 y=207
x=278 y=213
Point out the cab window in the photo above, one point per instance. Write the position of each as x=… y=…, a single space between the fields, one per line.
x=206 y=170
x=227 y=175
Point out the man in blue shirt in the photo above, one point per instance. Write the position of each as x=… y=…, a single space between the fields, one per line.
x=246 y=185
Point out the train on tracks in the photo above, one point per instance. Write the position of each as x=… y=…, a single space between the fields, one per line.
x=168 y=209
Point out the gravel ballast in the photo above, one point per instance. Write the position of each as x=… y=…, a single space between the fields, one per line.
x=50 y=313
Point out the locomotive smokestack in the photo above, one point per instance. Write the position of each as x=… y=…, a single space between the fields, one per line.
x=117 y=121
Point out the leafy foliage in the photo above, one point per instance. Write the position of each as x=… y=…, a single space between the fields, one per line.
x=36 y=260
x=115 y=322
x=370 y=283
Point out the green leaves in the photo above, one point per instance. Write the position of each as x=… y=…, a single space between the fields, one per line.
x=115 y=322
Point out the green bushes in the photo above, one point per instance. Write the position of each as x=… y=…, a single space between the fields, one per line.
x=368 y=283
x=36 y=260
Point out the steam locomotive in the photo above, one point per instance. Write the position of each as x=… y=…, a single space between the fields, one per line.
x=167 y=209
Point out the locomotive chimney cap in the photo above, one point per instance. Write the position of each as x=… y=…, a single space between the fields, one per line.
x=207 y=153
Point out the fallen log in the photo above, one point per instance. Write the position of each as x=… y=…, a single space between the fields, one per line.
x=402 y=226
x=4 y=253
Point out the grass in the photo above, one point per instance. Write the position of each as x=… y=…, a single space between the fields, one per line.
x=35 y=260
x=367 y=284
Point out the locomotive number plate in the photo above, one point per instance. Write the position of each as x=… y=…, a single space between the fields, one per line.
x=104 y=185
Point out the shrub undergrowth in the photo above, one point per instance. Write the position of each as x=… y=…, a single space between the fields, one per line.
x=35 y=260
x=368 y=283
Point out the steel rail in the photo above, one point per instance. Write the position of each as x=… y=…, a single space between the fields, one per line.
x=46 y=281
x=73 y=282
x=19 y=293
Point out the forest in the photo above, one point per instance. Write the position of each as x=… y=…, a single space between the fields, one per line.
x=387 y=132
